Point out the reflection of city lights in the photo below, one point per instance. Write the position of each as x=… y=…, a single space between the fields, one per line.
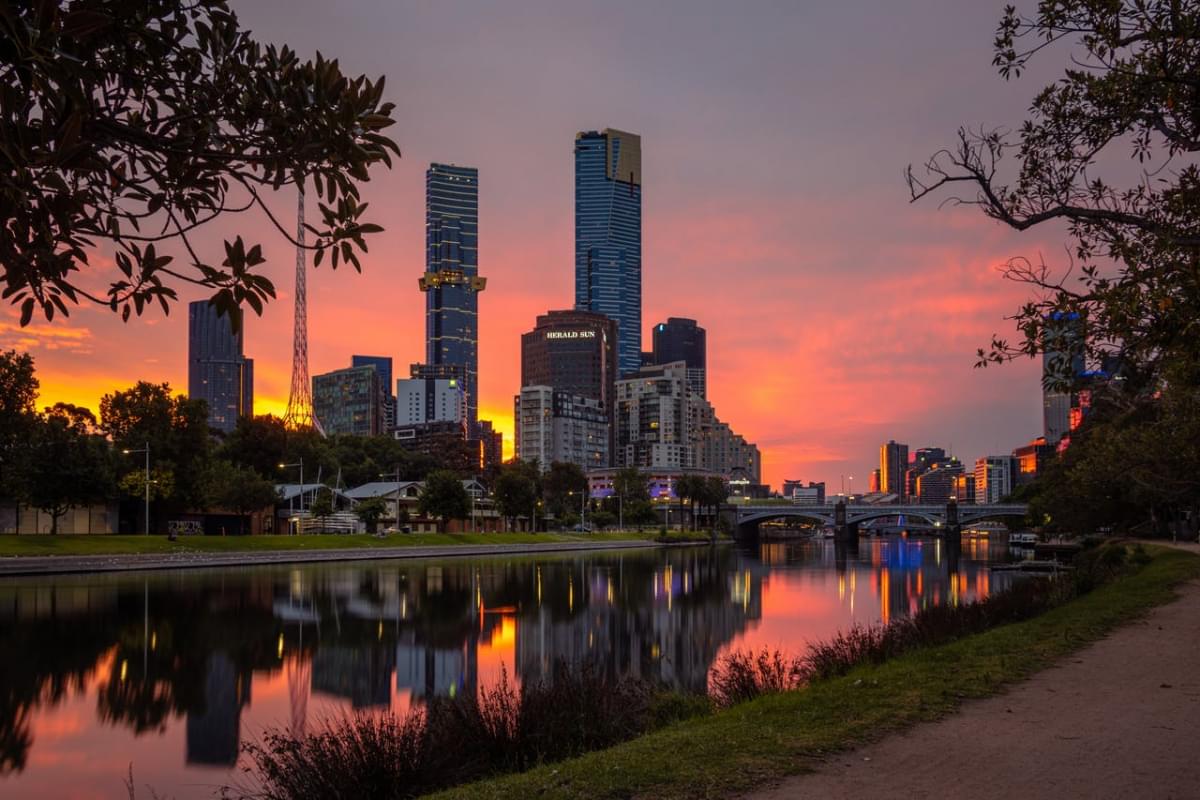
x=379 y=634
x=570 y=594
x=609 y=593
x=403 y=606
x=885 y=595
x=539 y=586
x=279 y=647
x=124 y=669
x=154 y=640
x=655 y=651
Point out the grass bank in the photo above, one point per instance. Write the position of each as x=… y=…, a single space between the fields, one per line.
x=112 y=544
x=779 y=735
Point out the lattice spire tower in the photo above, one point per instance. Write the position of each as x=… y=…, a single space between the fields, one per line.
x=300 y=408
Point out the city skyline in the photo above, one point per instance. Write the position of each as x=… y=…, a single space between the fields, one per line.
x=814 y=359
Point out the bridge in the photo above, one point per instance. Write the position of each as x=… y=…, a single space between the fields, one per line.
x=845 y=518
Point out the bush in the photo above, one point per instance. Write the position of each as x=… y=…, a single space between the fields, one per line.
x=743 y=675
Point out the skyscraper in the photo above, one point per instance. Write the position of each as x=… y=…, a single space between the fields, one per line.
x=382 y=365
x=1062 y=364
x=681 y=339
x=218 y=372
x=451 y=281
x=608 y=235
x=893 y=463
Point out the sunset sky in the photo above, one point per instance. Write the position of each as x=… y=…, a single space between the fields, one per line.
x=774 y=136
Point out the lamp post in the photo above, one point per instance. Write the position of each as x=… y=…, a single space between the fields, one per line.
x=851 y=478
x=145 y=450
x=299 y=464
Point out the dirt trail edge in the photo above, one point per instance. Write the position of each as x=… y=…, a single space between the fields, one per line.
x=1119 y=719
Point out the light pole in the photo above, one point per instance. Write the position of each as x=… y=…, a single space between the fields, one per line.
x=299 y=464
x=145 y=450
x=851 y=487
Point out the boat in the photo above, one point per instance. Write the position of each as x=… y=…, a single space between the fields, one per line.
x=1022 y=539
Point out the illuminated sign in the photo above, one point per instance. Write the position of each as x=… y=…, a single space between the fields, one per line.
x=570 y=334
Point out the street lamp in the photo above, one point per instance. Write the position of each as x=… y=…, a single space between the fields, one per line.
x=851 y=478
x=299 y=464
x=145 y=450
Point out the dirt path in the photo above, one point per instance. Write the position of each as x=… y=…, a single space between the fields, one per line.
x=1120 y=719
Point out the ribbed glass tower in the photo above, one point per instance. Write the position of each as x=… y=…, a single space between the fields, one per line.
x=451 y=281
x=218 y=372
x=608 y=235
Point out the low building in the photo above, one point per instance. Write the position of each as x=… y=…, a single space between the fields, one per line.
x=938 y=484
x=994 y=478
x=1031 y=459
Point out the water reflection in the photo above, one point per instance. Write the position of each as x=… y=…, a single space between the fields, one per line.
x=113 y=669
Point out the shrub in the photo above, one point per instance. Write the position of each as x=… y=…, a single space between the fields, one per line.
x=744 y=675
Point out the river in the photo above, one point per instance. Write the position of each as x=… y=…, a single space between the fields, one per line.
x=172 y=671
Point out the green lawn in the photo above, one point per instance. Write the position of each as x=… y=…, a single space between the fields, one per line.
x=752 y=744
x=72 y=545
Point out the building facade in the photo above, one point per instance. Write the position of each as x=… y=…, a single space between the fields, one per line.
x=218 y=371
x=653 y=420
x=716 y=448
x=681 y=339
x=938 y=484
x=382 y=365
x=573 y=352
x=608 y=235
x=1031 y=460
x=1062 y=364
x=421 y=400
x=451 y=282
x=349 y=401
x=994 y=478
x=557 y=426
x=893 y=464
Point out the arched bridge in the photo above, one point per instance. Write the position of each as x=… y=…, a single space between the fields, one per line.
x=845 y=518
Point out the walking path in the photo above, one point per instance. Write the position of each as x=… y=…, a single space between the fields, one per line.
x=55 y=565
x=1120 y=719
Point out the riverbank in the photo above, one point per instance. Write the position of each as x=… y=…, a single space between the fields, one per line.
x=766 y=740
x=50 y=555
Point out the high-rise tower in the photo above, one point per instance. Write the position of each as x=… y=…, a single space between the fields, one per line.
x=299 y=412
x=218 y=371
x=451 y=281
x=681 y=339
x=608 y=235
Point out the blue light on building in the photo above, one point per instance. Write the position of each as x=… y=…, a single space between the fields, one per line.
x=608 y=235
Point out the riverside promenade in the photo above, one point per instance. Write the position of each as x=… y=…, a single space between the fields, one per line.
x=65 y=564
x=1119 y=719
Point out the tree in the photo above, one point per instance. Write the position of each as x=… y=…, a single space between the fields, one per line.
x=443 y=496
x=232 y=487
x=134 y=127
x=629 y=485
x=564 y=487
x=18 y=417
x=68 y=462
x=516 y=490
x=259 y=443
x=1129 y=91
x=715 y=493
x=370 y=511
x=689 y=488
x=176 y=429
x=322 y=506
x=640 y=513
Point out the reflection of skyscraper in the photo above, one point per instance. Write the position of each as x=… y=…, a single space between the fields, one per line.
x=362 y=674
x=218 y=372
x=451 y=282
x=608 y=235
x=213 y=735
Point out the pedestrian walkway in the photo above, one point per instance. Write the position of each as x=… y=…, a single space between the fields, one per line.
x=1119 y=719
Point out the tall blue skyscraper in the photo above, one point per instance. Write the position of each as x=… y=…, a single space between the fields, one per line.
x=608 y=235
x=451 y=281
x=218 y=372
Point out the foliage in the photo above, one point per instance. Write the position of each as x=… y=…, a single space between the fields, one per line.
x=260 y=443
x=240 y=489
x=321 y=508
x=443 y=496
x=741 y=676
x=516 y=489
x=131 y=127
x=174 y=426
x=639 y=513
x=461 y=738
x=370 y=511
x=599 y=520
x=162 y=483
x=564 y=486
x=68 y=463
x=631 y=485
x=18 y=416
x=1127 y=92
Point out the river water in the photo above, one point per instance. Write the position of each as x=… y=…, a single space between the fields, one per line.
x=172 y=671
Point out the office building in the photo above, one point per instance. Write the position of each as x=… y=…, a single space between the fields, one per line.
x=680 y=339
x=492 y=444
x=421 y=400
x=873 y=481
x=964 y=487
x=451 y=281
x=1062 y=364
x=811 y=495
x=716 y=448
x=923 y=458
x=608 y=235
x=382 y=365
x=218 y=372
x=349 y=401
x=556 y=426
x=994 y=478
x=893 y=462
x=938 y=484
x=1031 y=460
x=573 y=352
